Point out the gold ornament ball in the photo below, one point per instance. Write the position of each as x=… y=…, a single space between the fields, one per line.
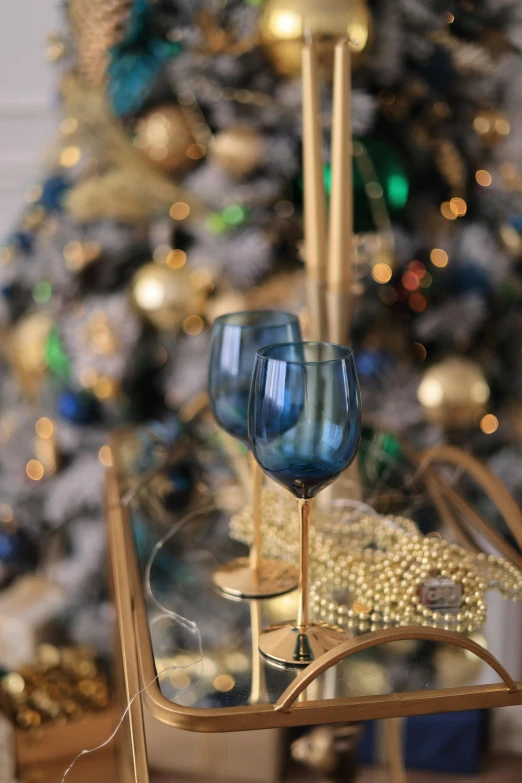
x=453 y=392
x=238 y=150
x=492 y=126
x=26 y=351
x=284 y=22
x=166 y=296
x=164 y=136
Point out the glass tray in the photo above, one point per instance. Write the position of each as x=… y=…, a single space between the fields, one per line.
x=214 y=679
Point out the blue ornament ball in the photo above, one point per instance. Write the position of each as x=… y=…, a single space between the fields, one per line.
x=18 y=553
x=370 y=363
x=53 y=191
x=77 y=407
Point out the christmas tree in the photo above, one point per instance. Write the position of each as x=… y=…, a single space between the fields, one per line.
x=174 y=194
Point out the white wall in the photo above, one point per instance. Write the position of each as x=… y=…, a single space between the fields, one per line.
x=27 y=98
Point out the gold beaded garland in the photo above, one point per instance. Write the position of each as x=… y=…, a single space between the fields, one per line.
x=372 y=569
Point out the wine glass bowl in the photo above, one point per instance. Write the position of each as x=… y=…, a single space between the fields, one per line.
x=235 y=339
x=305 y=421
x=304 y=429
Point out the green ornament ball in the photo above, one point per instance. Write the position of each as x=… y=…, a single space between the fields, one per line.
x=378 y=168
x=55 y=356
x=381 y=457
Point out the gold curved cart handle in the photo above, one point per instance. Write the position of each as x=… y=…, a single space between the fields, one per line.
x=366 y=642
x=492 y=486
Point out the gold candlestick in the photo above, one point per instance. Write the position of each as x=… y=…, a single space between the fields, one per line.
x=314 y=193
x=339 y=276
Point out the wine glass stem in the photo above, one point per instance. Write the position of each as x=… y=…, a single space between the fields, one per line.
x=305 y=509
x=257 y=487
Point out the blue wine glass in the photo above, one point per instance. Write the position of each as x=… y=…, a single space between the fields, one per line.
x=235 y=339
x=304 y=429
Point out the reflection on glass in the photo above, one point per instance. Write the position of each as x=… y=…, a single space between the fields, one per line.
x=235 y=339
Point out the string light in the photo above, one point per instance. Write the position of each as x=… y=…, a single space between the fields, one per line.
x=193 y=325
x=104 y=388
x=458 y=206
x=179 y=210
x=105 y=456
x=6 y=514
x=44 y=428
x=176 y=259
x=196 y=151
x=483 y=178
x=160 y=253
x=502 y=126
x=34 y=470
x=224 y=683
x=417 y=302
x=410 y=281
x=489 y=424
x=447 y=211
x=178 y=680
x=382 y=273
x=481 y=124
x=70 y=156
x=419 y=351
x=441 y=109
x=439 y=257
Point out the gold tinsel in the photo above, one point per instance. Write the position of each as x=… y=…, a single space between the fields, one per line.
x=450 y=163
x=97 y=25
x=128 y=187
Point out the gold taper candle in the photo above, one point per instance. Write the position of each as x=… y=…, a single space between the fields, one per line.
x=314 y=193
x=340 y=242
x=339 y=275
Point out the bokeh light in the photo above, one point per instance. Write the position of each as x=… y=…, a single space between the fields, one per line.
x=489 y=424
x=439 y=257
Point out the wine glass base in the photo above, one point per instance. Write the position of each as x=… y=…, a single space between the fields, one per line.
x=274 y=577
x=290 y=646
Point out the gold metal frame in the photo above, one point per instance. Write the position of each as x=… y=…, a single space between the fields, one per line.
x=132 y=747
x=445 y=497
x=134 y=630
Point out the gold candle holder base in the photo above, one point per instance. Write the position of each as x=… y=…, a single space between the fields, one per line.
x=272 y=578
x=289 y=645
